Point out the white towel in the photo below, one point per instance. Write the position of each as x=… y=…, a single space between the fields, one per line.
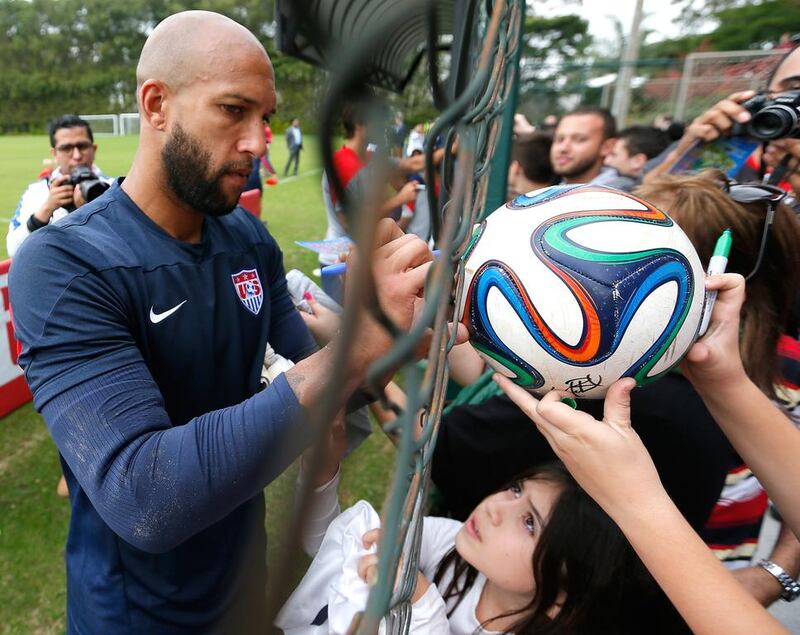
x=331 y=585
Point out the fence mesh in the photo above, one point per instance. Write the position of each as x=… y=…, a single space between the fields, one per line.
x=709 y=77
x=681 y=88
x=472 y=114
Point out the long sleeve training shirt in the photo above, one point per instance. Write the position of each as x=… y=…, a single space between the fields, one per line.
x=143 y=354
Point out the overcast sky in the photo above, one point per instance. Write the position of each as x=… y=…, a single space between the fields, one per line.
x=658 y=16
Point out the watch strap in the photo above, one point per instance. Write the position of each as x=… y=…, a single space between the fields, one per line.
x=791 y=588
x=34 y=223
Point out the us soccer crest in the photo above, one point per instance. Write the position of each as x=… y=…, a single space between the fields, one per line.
x=249 y=290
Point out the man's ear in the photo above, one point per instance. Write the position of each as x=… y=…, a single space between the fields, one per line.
x=607 y=146
x=637 y=162
x=514 y=170
x=153 y=97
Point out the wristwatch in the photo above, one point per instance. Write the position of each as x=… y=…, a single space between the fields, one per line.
x=34 y=223
x=791 y=588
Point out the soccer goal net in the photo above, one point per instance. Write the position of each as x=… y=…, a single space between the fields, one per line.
x=129 y=123
x=710 y=77
x=106 y=124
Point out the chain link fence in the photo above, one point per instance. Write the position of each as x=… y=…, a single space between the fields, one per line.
x=680 y=88
x=709 y=77
x=478 y=60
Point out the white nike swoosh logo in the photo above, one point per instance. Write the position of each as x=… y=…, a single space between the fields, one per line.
x=155 y=318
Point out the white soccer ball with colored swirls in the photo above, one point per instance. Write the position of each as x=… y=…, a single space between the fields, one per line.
x=573 y=287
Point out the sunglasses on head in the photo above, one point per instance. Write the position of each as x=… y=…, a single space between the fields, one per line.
x=749 y=193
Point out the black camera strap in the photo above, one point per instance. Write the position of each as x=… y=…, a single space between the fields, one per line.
x=779 y=172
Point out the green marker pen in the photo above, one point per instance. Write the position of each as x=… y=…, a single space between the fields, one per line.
x=717 y=264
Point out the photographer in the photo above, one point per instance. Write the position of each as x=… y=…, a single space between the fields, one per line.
x=74 y=182
x=730 y=116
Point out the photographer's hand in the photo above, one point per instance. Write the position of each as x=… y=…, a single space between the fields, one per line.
x=77 y=197
x=714 y=123
x=61 y=193
x=719 y=119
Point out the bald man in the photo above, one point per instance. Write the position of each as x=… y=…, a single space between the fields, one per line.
x=144 y=319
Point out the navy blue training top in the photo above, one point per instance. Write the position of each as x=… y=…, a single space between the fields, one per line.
x=144 y=355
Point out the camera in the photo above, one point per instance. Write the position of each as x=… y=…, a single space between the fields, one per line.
x=91 y=187
x=777 y=118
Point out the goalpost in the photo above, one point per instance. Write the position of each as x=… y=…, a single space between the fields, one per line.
x=129 y=123
x=106 y=124
x=125 y=123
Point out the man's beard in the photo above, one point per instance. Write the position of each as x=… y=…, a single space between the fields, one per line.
x=188 y=170
x=577 y=169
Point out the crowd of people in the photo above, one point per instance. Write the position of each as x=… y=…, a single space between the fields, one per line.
x=166 y=352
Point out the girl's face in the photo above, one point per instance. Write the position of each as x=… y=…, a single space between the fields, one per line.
x=500 y=535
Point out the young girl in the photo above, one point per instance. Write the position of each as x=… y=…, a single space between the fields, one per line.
x=707 y=595
x=692 y=456
x=538 y=556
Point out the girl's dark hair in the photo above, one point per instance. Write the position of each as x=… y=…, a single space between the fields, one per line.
x=581 y=553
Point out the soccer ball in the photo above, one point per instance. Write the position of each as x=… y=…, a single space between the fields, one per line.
x=572 y=287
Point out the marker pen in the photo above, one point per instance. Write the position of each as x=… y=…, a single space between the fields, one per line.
x=717 y=264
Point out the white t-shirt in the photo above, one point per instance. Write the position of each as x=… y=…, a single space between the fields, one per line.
x=438 y=537
x=428 y=614
x=416 y=141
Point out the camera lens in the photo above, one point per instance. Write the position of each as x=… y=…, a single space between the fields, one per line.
x=93 y=188
x=774 y=122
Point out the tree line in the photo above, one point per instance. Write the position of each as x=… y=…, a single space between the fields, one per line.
x=80 y=56
x=559 y=53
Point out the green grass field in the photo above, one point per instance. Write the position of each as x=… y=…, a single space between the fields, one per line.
x=33 y=520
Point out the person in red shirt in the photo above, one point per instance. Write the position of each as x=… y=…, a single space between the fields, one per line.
x=352 y=164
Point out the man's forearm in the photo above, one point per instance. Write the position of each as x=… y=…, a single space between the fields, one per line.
x=759 y=582
x=706 y=595
x=764 y=438
x=309 y=377
x=786 y=552
x=669 y=161
x=157 y=484
x=44 y=213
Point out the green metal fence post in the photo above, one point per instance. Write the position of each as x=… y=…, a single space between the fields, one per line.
x=498 y=176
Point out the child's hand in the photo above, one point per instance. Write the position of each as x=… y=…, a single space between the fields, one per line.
x=714 y=360
x=322 y=322
x=368 y=566
x=607 y=458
